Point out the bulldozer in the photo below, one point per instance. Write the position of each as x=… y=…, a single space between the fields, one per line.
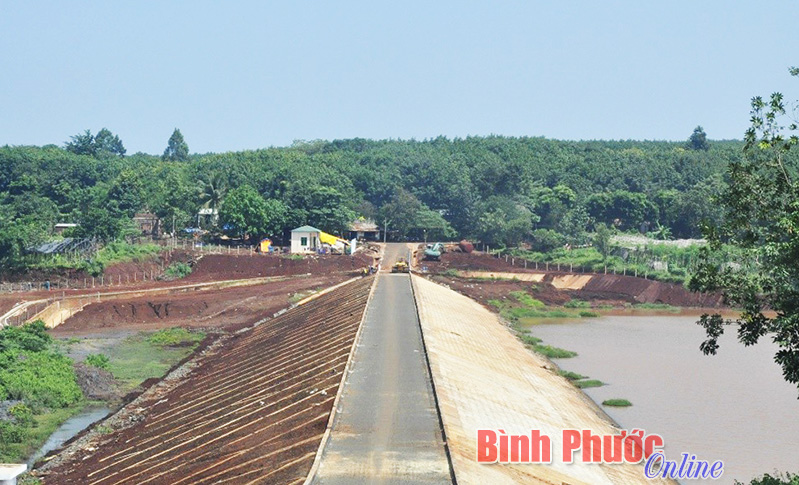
x=401 y=266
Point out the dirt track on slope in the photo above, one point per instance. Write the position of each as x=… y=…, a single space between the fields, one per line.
x=600 y=287
x=230 y=308
x=252 y=411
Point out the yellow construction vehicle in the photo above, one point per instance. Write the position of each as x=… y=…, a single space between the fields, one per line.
x=401 y=266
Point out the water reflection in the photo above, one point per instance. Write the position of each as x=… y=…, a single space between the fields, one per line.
x=68 y=429
x=734 y=406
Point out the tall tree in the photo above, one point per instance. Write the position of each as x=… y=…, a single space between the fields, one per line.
x=176 y=148
x=762 y=218
x=698 y=140
x=245 y=213
x=82 y=144
x=108 y=144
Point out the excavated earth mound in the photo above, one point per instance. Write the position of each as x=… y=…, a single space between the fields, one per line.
x=213 y=267
x=605 y=287
x=238 y=306
x=253 y=411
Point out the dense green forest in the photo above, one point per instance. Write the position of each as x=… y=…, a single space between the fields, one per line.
x=499 y=190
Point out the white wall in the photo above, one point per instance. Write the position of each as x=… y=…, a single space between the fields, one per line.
x=311 y=245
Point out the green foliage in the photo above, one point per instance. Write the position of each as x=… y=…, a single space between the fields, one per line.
x=572 y=376
x=525 y=299
x=698 y=140
x=244 y=212
x=528 y=339
x=177 y=270
x=776 y=479
x=33 y=371
x=761 y=206
x=575 y=303
x=97 y=360
x=554 y=352
x=103 y=146
x=589 y=383
x=545 y=240
x=499 y=190
x=176 y=150
x=143 y=356
x=602 y=241
x=171 y=337
x=619 y=403
x=587 y=314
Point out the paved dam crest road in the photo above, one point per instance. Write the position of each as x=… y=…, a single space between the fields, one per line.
x=387 y=429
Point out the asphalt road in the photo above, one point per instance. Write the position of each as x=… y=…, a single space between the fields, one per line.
x=387 y=429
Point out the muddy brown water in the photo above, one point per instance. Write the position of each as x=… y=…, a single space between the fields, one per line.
x=734 y=406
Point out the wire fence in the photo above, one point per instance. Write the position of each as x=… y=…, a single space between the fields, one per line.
x=117 y=279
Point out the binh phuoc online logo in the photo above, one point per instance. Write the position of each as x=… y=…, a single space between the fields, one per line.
x=583 y=446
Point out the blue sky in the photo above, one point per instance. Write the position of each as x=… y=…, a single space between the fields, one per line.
x=241 y=75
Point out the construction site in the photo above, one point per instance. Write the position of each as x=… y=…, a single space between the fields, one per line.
x=334 y=369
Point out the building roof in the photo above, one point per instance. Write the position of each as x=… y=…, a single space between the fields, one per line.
x=363 y=225
x=306 y=229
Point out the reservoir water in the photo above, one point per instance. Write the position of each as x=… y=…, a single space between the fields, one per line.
x=68 y=429
x=734 y=406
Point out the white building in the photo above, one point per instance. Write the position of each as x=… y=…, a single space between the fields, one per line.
x=305 y=239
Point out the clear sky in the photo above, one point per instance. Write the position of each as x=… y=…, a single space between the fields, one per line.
x=239 y=75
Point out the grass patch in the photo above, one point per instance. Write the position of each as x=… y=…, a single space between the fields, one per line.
x=97 y=360
x=572 y=376
x=587 y=314
x=617 y=403
x=657 y=306
x=172 y=337
x=452 y=273
x=589 y=383
x=177 y=270
x=528 y=339
x=575 y=303
x=34 y=437
x=527 y=300
x=554 y=352
x=141 y=357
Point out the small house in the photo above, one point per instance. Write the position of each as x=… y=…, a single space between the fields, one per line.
x=364 y=230
x=305 y=239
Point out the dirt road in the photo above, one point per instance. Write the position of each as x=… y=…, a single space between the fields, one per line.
x=387 y=429
x=393 y=252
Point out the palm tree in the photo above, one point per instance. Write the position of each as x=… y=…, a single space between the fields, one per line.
x=211 y=192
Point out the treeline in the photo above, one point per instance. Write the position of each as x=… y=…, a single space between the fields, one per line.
x=495 y=189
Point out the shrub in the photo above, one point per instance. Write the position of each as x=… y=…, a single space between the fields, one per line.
x=23 y=415
x=586 y=314
x=619 y=403
x=46 y=378
x=97 y=360
x=177 y=270
x=545 y=240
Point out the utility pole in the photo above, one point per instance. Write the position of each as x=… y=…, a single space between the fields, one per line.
x=385 y=229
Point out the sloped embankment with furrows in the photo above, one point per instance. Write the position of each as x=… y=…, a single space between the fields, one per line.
x=254 y=411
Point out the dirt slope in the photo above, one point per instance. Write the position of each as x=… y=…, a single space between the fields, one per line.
x=254 y=411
